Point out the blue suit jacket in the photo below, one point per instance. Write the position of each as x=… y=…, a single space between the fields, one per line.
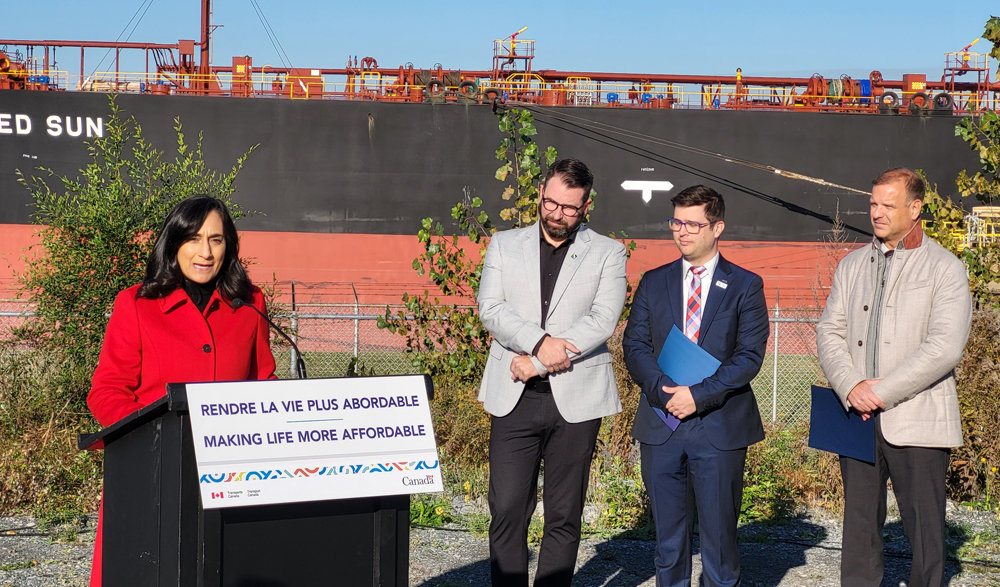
x=734 y=329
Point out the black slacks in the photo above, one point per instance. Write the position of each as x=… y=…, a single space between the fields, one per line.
x=918 y=481
x=534 y=432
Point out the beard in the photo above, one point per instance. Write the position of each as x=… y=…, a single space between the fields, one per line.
x=560 y=230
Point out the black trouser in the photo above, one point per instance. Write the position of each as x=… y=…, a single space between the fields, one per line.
x=918 y=481
x=535 y=431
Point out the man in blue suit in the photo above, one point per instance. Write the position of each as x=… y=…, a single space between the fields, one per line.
x=720 y=307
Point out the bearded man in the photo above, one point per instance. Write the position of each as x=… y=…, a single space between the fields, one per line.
x=551 y=295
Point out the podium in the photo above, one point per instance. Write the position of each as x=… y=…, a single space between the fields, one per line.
x=156 y=532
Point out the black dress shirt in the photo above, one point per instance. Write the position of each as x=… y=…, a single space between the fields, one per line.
x=550 y=263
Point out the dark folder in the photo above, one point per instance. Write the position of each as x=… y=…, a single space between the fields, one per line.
x=840 y=431
x=685 y=363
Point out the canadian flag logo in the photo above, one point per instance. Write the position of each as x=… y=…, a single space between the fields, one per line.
x=218 y=495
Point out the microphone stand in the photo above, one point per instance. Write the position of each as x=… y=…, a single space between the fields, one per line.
x=300 y=365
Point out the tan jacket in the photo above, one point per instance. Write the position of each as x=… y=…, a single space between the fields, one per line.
x=925 y=325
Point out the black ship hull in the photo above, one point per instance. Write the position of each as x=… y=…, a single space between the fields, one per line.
x=375 y=168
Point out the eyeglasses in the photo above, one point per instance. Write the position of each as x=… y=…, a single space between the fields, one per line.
x=692 y=226
x=567 y=210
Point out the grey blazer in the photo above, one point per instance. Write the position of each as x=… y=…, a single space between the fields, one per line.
x=586 y=306
x=925 y=325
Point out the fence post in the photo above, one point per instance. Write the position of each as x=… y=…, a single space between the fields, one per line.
x=774 y=360
x=357 y=310
x=293 y=323
x=293 y=357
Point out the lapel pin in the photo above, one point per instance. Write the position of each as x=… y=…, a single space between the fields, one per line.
x=721 y=284
x=573 y=256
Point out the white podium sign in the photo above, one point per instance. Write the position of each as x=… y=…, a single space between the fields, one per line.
x=266 y=442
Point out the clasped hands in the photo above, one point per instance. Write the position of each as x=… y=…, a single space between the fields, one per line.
x=552 y=354
x=681 y=403
x=864 y=400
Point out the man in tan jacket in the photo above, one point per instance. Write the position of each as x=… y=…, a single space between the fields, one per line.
x=894 y=328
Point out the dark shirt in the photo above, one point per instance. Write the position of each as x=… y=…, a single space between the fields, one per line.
x=550 y=263
x=199 y=293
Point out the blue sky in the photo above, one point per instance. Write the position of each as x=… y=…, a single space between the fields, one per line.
x=784 y=37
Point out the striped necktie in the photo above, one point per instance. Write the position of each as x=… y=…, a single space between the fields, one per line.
x=692 y=323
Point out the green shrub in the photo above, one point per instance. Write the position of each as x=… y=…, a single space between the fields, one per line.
x=782 y=474
x=427 y=509
x=973 y=476
x=619 y=492
x=470 y=481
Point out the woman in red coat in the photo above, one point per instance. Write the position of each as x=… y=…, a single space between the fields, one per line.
x=179 y=324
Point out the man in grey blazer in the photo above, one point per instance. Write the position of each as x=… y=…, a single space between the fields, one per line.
x=894 y=328
x=551 y=295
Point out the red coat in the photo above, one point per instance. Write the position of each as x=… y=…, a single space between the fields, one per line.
x=150 y=343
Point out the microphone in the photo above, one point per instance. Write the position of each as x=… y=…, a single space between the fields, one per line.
x=300 y=365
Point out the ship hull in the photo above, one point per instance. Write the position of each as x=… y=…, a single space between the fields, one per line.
x=332 y=178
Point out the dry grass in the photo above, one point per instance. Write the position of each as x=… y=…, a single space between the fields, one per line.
x=974 y=466
x=616 y=429
x=42 y=470
x=41 y=412
x=461 y=426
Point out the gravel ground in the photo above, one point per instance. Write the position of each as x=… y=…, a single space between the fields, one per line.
x=802 y=552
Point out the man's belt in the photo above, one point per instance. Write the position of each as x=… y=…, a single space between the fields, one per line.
x=538 y=384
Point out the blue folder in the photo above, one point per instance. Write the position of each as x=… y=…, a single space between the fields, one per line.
x=840 y=431
x=685 y=363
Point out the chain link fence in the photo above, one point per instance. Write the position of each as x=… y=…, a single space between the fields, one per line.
x=330 y=336
x=783 y=386
x=334 y=338
x=13 y=314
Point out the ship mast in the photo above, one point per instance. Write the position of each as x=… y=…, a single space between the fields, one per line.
x=206 y=33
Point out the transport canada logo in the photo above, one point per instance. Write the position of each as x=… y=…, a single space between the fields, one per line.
x=218 y=495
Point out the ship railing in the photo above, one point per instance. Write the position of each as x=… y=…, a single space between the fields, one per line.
x=46 y=79
x=966 y=60
x=582 y=91
x=38 y=67
x=138 y=82
x=982 y=226
x=585 y=92
x=979 y=228
x=368 y=85
x=514 y=48
x=522 y=84
x=518 y=87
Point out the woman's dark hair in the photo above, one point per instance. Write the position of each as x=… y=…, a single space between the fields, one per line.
x=163 y=274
